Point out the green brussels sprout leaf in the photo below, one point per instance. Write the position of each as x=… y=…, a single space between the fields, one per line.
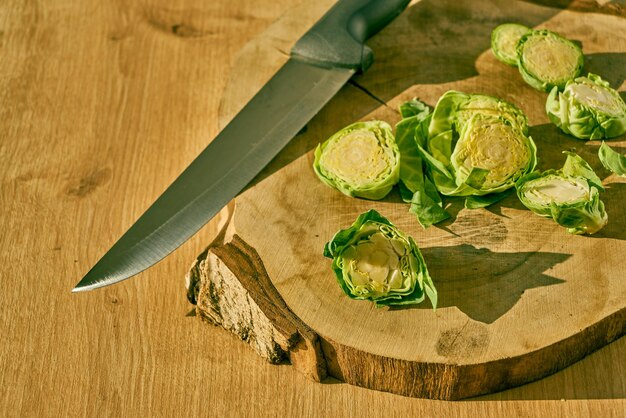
x=411 y=172
x=361 y=160
x=415 y=187
x=576 y=166
x=426 y=204
x=588 y=108
x=477 y=202
x=414 y=107
x=373 y=260
x=477 y=177
x=612 y=160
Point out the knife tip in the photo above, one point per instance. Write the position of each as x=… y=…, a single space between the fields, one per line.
x=95 y=280
x=84 y=285
x=78 y=288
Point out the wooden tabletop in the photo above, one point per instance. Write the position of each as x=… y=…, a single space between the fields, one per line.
x=102 y=104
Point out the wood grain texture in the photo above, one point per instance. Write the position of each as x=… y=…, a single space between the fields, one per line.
x=102 y=105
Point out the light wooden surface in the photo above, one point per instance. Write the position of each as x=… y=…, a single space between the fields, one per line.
x=102 y=104
x=510 y=284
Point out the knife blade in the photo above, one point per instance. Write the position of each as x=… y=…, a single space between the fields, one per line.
x=321 y=62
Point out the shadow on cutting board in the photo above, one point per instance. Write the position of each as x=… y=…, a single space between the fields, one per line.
x=484 y=284
x=610 y=7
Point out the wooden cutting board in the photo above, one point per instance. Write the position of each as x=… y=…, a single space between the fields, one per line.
x=519 y=297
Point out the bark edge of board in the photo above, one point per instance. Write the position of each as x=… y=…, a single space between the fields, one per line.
x=231 y=289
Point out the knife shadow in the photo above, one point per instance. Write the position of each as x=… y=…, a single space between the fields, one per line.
x=426 y=44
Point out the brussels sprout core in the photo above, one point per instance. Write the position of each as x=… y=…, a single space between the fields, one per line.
x=357 y=158
x=556 y=189
x=550 y=59
x=373 y=265
x=374 y=260
x=596 y=96
x=494 y=145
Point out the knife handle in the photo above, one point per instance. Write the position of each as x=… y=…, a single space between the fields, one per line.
x=338 y=38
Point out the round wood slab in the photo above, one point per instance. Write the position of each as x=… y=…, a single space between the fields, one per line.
x=519 y=297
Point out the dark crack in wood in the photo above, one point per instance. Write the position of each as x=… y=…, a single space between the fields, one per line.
x=370 y=94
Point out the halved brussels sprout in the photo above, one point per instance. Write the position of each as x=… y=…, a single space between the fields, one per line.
x=374 y=260
x=504 y=39
x=476 y=145
x=472 y=145
x=588 y=108
x=552 y=187
x=570 y=196
x=491 y=144
x=454 y=108
x=361 y=160
x=547 y=60
x=612 y=160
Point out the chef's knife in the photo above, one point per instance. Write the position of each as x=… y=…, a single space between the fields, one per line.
x=321 y=62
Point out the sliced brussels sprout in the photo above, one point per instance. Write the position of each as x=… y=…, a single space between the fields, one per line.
x=547 y=60
x=570 y=196
x=504 y=39
x=361 y=160
x=471 y=145
x=476 y=145
x=588 y=108
x=456 y=108
x=492 y=144
x=612 y=160
x=373 y=260
x=553 y=187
